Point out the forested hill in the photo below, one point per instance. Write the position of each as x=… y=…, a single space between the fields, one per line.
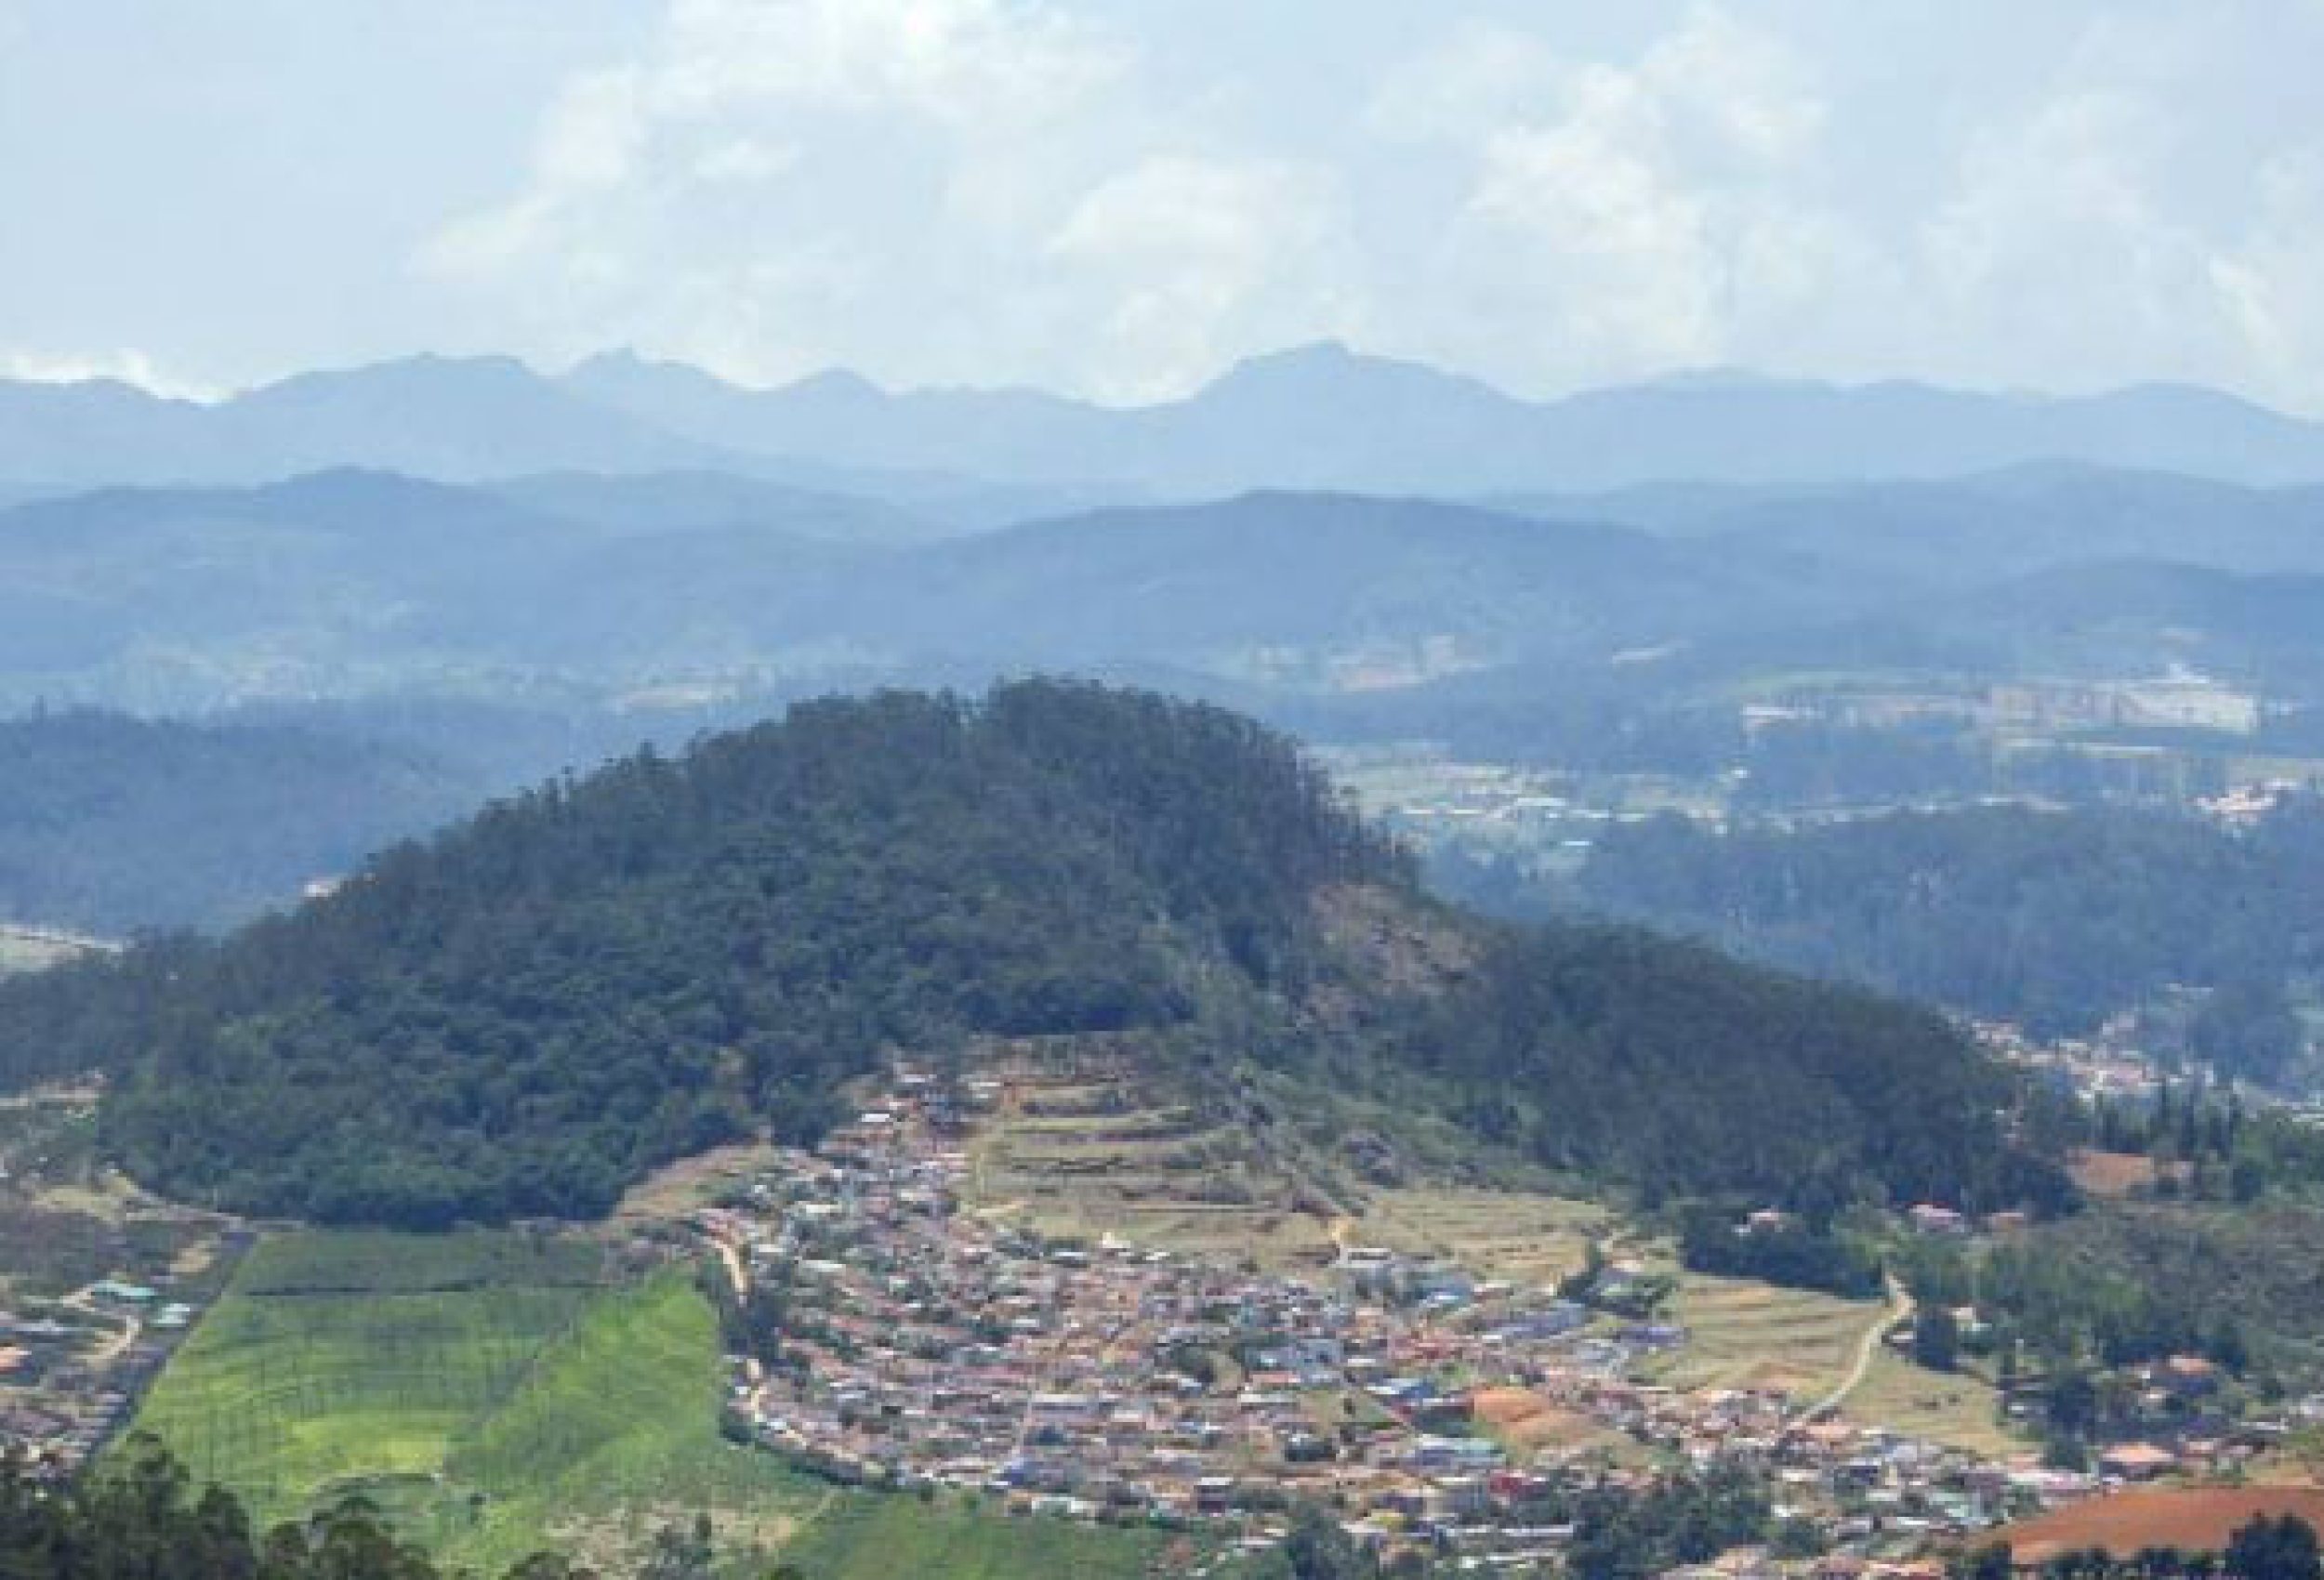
x=523 y=1015
x=2058 y=919
x=112 y=825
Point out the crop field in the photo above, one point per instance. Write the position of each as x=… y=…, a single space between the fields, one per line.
x=1084 y=1147
x=337 y=1358
x=1528 y=1423
x=492 y=1392
x=1080 y=1148
x=1956 y=1408
x=2191 y=1519
x=1742 y=1333
x=2116 y=1175
x=866 y=1536
x=495 y=1394
x=1514 y=1235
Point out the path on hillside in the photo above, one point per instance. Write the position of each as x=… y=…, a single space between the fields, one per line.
x=116 y=1344
x=734 y=1260
x=1899 y=1307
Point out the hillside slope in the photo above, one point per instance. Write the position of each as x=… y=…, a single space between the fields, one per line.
x=2055 y=919
x=114 y=825
x=523 y=1016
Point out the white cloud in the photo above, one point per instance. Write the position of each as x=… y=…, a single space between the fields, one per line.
x=2267 y=280
x=1108 y=199
x=1476 y=79
x=746 y=159
x=2123 y=225
x=1196 y=261
x=125 y=366
x=773 y=167
x=1620 y=222
x=897 y=184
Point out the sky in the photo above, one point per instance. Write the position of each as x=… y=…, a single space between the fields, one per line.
x=1119 y=198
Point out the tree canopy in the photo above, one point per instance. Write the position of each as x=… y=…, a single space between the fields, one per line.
x=523 y=1015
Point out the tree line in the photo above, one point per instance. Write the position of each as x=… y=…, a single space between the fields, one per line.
x=2055 y=919
x=137 y=1515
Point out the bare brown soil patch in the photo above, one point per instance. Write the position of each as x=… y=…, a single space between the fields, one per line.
x=680 y=1188
x=2116 y=1175
x=1525 y=1421
x=2191 y=1519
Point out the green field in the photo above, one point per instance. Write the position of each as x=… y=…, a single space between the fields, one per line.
x=496 y=1395
x=866 y=1536
x=335 y=1360
x=1745 y=1334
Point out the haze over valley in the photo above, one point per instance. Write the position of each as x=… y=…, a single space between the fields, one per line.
x=816 y=789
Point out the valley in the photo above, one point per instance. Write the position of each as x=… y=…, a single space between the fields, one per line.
x=1278 y=1184
x=1041 y=790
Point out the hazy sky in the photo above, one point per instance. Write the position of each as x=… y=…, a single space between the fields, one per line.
x=1117 y=197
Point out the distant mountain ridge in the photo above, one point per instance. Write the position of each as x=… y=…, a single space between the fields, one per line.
x=712 y=587
x=1319 y=417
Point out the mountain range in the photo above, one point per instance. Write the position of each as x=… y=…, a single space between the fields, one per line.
x=1320 y=418
x=679 y=589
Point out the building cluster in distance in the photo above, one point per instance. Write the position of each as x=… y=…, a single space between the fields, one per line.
x=77 y=1350
x=925 y=1344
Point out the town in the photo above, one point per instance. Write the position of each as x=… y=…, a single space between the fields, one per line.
x=910 y=1342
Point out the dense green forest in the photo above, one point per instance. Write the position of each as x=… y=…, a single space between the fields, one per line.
x=523 y=1015
x=2054 y=918
x=1673 y=1070
x=112 y=825
x=606 y=973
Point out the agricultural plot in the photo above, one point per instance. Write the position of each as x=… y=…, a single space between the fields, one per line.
x=1742 y=1333
x=1083 y=1148
x=1528 y=1424
x=497 y=1394
x=1521 y=1237
x=337 y=1359
x=2189 y=1519
x=864 y=1537
x=1079 y=1148
x=1956 y=1408
x=493 y=1393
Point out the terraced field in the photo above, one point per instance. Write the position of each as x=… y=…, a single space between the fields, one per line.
x=1524 y=1238
x=1742 y=1333
x=1080 y=1146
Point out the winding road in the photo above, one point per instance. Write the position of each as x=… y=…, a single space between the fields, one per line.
x=1899 y=1307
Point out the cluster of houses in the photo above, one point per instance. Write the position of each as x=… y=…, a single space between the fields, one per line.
x=72 y=1365
x=921 y=1344
x=70 y=1374
x=2103 y=1068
